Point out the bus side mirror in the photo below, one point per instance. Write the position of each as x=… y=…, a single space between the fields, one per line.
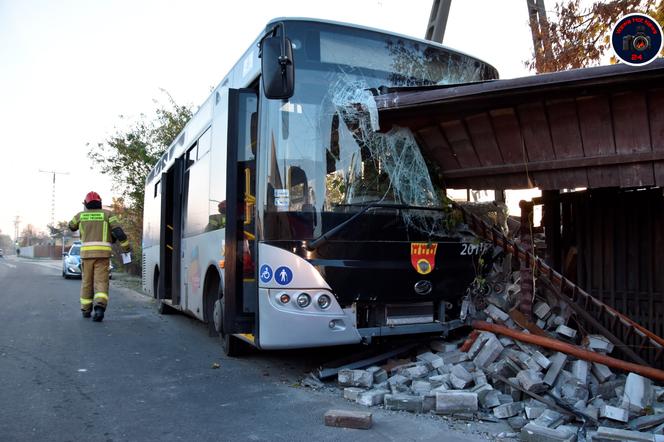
x=278 y=71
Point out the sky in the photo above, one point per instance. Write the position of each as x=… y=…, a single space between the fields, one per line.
x=70 y=68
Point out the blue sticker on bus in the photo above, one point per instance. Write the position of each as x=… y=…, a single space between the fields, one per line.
x=283 y=275
x=266 y=273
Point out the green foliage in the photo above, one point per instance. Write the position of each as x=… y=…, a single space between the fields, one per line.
x=578 y=36
x=57 y=230
x=128 y=155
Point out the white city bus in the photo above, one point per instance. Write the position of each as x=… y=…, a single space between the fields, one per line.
x=279 y=221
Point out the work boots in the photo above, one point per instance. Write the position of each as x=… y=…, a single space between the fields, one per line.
x=98 y=314
x=86 y=313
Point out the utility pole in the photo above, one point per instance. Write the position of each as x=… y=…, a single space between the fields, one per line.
x=54 y=173
x=17 y=222
x=539 y=28
x=440 y=10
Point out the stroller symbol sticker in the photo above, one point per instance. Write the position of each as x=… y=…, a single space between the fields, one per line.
x=283 y=275
x=266 y=273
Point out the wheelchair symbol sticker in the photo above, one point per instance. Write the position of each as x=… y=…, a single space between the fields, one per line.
x=266 y=273
x=283 y=275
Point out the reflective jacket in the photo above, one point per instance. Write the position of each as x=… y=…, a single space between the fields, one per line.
x=98 y=227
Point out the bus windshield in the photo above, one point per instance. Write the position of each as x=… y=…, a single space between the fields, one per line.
x=317 y=161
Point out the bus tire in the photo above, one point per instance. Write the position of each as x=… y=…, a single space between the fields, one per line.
x=211 y=291
x=162 y=307
x=231 y=345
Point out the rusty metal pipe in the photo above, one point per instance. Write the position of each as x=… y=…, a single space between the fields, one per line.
x=570 y=349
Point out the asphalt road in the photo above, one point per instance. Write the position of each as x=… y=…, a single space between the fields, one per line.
x=139 y=376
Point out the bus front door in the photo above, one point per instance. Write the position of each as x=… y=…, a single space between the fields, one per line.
x=240 y=297
x=170 y=233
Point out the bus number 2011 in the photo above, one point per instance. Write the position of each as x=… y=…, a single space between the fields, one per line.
x=473 y=249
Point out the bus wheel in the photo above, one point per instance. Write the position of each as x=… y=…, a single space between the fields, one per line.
x=211 y=295
x=232 y=346
x=162 y=308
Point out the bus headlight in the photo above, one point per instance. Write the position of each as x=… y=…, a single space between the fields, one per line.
x=324 y=301
x=284 y=298
x=303 y=300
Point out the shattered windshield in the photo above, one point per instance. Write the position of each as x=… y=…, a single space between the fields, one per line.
x=320 y=153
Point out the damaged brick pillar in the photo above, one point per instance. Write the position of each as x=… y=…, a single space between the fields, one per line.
x=526 y=271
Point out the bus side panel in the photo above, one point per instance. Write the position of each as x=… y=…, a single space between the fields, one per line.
x=218 y=153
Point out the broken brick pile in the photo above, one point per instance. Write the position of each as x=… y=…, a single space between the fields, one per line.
x=589 y=396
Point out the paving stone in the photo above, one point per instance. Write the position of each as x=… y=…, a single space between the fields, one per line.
x=638 y=394
x=355 y=378
x=503 y=368
x=558 y=360
x=489 y=398
x=608 y=389
x=601 y=372
x=542 y=310
x=445 y=369
x=450 y=402
x=379 y=375
x=573 y=391
x=614 y=413
x=460 y=372
x=439 y=379
x=644 y=422
x=531 y=381
x=608 y=433
x=453 y=357
x=351 y=393
x=431 y=359
x=398 y=379
x=517 y=422
x=591 y=411
x=532 y=365
x=429 y=402
x=508 y=410
x=506 y=341
x=372 y=397
x=442 y=346
x=496 y=314
x=404 y=402
x=479 y=343
x=541 y=360
x=480 y=388
x=537 y=433
x=566 y=331
x=414 y=372
x=420 y=387
x=598 y=343
x=580 y=370
x=533 y=412
x=489 y=353
x=439 y=388
x=518 y=357
x=479 y=378
x=514 y=392
x=348 y=419
x=549 y=418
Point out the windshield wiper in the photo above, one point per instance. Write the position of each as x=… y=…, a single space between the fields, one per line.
x=315 y=243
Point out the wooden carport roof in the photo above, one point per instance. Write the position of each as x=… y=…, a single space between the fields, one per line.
x=593 y=127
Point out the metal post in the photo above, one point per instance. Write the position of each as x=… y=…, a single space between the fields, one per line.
x=526 y=271
x=440 y=10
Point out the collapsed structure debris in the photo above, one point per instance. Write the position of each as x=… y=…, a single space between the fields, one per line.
x=551 y=380
x=546 y=356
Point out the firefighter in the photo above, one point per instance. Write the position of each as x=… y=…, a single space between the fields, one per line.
x=99 y=228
